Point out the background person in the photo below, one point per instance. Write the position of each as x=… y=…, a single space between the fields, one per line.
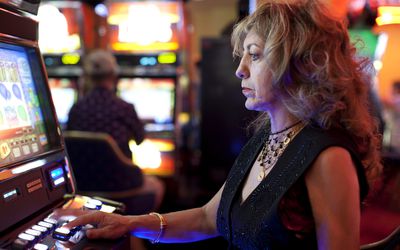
x=101 y=110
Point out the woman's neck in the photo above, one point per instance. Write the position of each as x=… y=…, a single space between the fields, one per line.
x=281 y=119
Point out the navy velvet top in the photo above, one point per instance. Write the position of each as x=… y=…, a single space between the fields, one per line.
x=263 y=220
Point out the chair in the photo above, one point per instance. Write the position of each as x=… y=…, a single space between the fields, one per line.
x=380 y=217
x=101 y=169
x=391 y=242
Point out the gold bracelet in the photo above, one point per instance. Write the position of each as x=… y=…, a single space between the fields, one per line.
x=163 y=225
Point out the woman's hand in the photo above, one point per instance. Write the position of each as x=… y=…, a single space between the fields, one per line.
x=106 y=226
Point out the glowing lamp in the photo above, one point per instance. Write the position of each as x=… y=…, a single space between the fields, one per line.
x=70 y=58
x=167 y=58
x=146 y=155
x=388 y=15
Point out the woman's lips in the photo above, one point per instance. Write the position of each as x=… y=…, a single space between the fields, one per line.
x=247 y=92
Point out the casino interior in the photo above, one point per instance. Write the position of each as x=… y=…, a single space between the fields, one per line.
x=175 y=67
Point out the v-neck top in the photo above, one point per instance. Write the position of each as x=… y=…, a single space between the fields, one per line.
x=261 y=220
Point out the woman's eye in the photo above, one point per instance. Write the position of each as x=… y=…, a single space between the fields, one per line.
x=254 y=56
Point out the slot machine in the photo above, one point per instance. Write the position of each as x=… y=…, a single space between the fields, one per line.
x=145 y=38
x=35 y=177
x=62 y=44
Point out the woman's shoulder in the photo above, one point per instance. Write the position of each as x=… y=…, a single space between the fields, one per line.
x=332 y=157
x=335 y=150
x=329 y=137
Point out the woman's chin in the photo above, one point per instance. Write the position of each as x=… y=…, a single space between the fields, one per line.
x=250 y=105
x=253 y=105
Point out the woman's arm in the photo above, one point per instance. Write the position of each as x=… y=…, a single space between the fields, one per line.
x=333 y=188
x=183 y=226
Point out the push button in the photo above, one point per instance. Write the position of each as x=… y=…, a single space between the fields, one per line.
x=97 y=203
x=73 y=230
x=89 y=206
x=46 y=225
x=62 y=233
x=33 y=232
x=41 y=229
x=51 y=221
x=40 y=246
x=27 y=237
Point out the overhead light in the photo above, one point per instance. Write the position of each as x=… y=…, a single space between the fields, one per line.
x=388 y=15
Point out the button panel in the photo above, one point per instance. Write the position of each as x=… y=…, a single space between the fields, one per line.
x=48 y=230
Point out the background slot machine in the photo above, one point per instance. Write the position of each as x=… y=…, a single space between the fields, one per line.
x=144 y=37
x=35 y=177
x=62 y=43
x=64 y=94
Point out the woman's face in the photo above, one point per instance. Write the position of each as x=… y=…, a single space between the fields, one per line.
x=255 y=75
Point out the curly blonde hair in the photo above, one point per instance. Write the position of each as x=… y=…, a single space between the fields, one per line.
x=315 y=71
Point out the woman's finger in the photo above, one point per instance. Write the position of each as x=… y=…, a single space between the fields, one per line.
x=92 y=218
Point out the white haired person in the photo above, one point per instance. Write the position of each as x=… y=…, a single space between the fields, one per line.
x=101 y=110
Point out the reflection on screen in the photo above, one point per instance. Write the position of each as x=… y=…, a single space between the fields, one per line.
x=154 y=99
x=64 y=95
x=22 y=131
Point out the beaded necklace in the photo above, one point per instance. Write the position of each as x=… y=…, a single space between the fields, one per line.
x=274 y=147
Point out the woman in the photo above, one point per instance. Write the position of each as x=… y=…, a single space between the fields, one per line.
x=299 y=182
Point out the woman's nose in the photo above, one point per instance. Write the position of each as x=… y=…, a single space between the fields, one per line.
x=241 y=73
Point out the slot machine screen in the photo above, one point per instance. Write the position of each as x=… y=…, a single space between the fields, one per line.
x=64 y=94
x=27 y=127
x=59 y=29
x=144 y=26
x=154 y=99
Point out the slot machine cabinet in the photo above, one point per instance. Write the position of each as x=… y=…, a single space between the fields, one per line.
x=61 y=37
x=63 y=40
x=145 y=38
x=35 y=177
x=154 y=101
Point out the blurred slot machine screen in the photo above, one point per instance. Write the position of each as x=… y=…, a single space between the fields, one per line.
x=153 y=98
x=59 y=29
x=64 y=94
x=144 y=26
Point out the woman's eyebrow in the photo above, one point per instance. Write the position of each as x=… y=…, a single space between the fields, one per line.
x=252 y=44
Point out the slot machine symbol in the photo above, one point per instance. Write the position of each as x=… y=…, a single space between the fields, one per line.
x=14 y=72
x=4 y=92
x=16 y=91
x=11 y=116
x=2 y=73
x=6 y=70
x=4 y=150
